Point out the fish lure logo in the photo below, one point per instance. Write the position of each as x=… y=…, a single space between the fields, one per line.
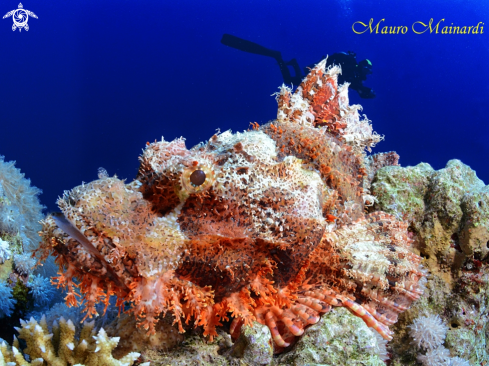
x=20 y=17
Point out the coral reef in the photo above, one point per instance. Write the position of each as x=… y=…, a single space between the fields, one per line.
x=448 y=215
x=253 y=346
x=5 y=253
x=339 y=338
x=135 y=339
x=20 y=209
x=195 y=350
x=24 y=263
x=7 y=302
x=235 y=251
x=428 y=332
x=266 y=225
x=59 y=309
x=447 y=326
x=438 y=356
x=41 y=289
x=20 y=213
x=61 y=348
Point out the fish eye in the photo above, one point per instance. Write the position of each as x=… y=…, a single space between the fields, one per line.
x=197 y=178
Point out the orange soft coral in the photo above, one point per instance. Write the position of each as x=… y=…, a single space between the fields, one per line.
x=265 y=225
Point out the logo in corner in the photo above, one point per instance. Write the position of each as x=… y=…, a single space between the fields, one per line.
x=20 y=17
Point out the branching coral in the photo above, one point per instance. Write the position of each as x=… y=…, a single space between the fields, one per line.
x=265 y=225
x=60 y=348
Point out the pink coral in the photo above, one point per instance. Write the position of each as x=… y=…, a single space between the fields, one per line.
x=265 y=225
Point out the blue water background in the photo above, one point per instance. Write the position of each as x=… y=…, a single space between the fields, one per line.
x=92 y=81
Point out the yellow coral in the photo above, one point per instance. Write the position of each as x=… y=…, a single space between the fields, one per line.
x=60 y=348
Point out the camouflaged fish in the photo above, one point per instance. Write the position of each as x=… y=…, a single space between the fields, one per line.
x=267 y=225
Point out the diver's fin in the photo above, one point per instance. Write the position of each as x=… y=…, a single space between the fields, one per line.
x=248 y=46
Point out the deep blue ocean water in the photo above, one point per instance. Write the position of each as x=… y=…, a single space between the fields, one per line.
x=92 y=81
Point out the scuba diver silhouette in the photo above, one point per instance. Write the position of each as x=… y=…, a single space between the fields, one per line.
x=351 y=71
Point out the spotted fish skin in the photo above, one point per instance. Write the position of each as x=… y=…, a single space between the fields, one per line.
x=267 y=225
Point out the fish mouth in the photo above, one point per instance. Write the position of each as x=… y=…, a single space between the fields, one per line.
x=69 y=228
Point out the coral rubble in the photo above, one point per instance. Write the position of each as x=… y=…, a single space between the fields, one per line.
x=268 y=225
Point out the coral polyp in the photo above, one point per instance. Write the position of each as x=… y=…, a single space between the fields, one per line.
x=267 y=225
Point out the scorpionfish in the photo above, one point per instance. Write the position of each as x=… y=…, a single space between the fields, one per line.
x=268 y=225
